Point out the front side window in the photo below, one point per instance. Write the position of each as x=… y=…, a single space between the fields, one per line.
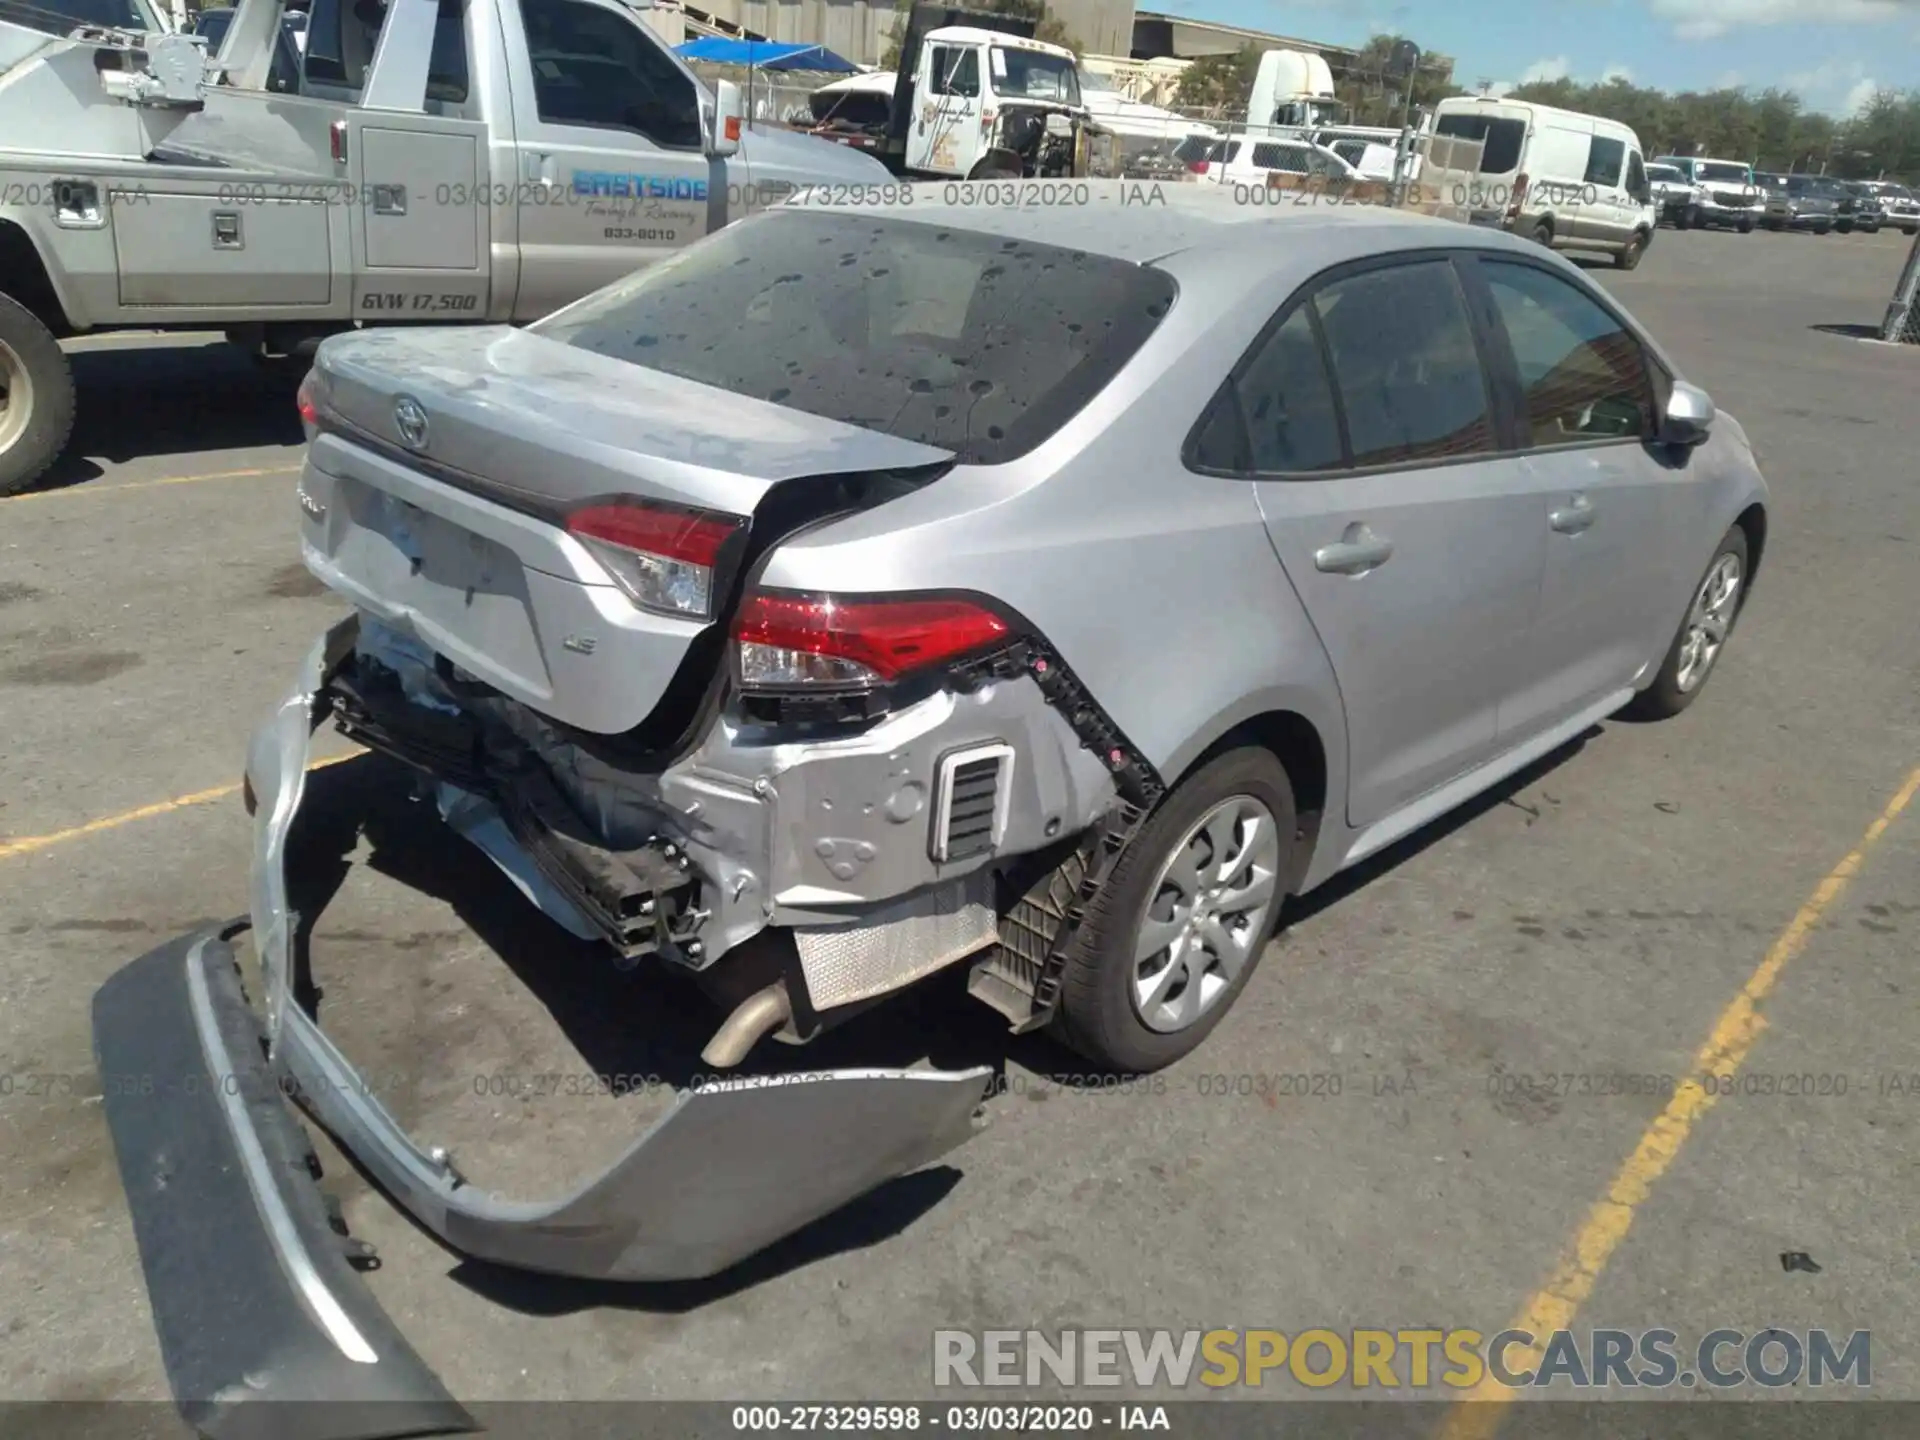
x=1637 y=177
x=1405 y=364
x=1289 y=158
x=956 y=71
x=594 y=68
x=1584 y=376
x=970 y=342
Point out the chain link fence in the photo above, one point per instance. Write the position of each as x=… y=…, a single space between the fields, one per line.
x=1902 y=325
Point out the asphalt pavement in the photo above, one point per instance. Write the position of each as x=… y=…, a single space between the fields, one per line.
x=1357 y=1145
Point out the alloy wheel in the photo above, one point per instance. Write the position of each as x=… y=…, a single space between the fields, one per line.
x=1709 y=622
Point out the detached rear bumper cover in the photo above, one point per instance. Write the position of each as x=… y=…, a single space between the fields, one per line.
x=730 y=1169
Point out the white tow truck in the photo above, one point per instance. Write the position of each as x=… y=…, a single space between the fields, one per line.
x=437 y=161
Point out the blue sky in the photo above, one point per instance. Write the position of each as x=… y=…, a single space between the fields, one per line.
x=1833 y=52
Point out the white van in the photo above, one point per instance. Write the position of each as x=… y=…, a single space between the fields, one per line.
x=1571 y=181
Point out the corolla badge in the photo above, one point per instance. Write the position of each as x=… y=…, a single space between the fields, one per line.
x=410 y=419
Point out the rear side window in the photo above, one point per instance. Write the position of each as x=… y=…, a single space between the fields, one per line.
x=1502 y=139
x=1584 y=376
x=971 y=342
x=1405 y=364
x=1604 y=159
x=1286 y=402
x=342 y=34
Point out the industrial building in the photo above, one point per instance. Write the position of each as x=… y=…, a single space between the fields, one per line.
x=1110 y=30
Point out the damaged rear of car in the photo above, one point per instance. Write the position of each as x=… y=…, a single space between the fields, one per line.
x=557 y=546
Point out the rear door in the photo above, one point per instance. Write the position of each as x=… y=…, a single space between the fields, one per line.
x=613 y=172
x=1413 y=542
x=1609 y=505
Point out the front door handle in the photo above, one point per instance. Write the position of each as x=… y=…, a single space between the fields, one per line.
x=1573 y=517
x=1356 y=552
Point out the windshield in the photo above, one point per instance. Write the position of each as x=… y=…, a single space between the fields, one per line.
x=971 y=342
x=1033 y=75
x=1664 y=172
x=61 y=17
x=1724 y=171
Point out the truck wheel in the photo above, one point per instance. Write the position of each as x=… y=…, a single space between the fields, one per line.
x=1745 y=227
x=1542 y=233
x=1175 y=933
x=997 y=165
x=1680 y=220
x=36 y=398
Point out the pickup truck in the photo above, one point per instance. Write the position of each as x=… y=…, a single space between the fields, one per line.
x=1724 y=193
x=438 y=161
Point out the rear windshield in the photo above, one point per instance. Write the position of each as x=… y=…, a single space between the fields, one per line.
x=1503 y=139
x=973 y=343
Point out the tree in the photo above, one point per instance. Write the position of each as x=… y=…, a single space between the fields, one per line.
x=1220 y=82
x=1771 y=129
x=1373 y=96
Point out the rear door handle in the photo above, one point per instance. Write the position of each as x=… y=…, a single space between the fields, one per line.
x=1573 y=517
x=1356 y=552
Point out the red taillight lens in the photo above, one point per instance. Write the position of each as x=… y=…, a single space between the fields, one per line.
x=1519 y=194
x=309 y=408
x=666 y=559
x=788 y=639
x=1197 y=167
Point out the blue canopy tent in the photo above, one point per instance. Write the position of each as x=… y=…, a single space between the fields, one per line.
x=764 y=55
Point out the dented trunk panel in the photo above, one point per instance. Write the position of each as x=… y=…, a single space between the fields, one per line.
x=456 y=536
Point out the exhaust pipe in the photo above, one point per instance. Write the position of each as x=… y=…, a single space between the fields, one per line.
x=752 y=1020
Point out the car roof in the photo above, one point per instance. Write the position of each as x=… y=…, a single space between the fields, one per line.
x=1141 y=222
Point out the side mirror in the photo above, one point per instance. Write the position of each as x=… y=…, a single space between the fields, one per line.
x=1688 y=417
x=728 y=116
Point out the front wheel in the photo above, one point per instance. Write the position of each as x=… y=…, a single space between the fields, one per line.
x=1628 y=257
x=36 y=398
x=1175 y=934
x=1703 y=634
x=1745 y=227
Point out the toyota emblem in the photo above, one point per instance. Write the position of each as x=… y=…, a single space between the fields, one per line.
x=410 y=419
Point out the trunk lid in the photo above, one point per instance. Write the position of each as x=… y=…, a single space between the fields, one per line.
x=454 y=531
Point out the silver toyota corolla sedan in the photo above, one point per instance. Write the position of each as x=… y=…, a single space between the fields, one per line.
x=1049 y=591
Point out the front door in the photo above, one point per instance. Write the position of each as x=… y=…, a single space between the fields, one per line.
x=1607 y=503
x=944 y=138
x=612 y=158
x=1413 y=543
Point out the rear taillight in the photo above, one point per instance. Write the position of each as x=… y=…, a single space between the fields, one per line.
x=787 y=640
x=666 y=559
x=309 y=407
x=1197 y=167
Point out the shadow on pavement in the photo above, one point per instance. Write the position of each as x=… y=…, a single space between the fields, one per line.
x=171 y=399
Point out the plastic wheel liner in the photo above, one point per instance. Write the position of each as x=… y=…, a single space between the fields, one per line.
x=253 y=1293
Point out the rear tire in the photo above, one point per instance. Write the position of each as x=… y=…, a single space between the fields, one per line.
x=1241 y=800
x=1691 y=658
x=36 y=398
x=1542 y=233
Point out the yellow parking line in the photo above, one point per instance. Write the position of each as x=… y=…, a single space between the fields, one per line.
x=1554 y=1305
x=27 y=845
x=84 y=489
